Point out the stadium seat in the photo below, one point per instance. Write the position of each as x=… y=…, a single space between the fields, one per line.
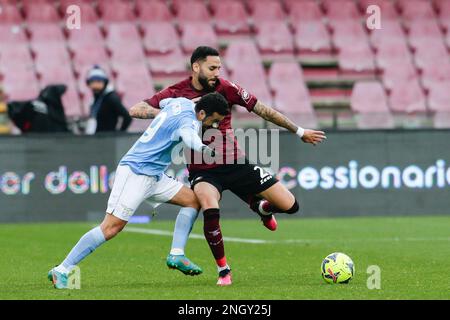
x=389 y=51
x=126 y=52
x=274 y=37
x=253 y=79
x=46 y=32
x=407 y=98
x=89 y=33
x=192 y=11
x=302 y=11
x=121 y=33
x=419 y=30
x=435 y=73
x=358 y=58
x=195 y=34
x=341 y=10
x=369 y=102
x=159 y=37
x=152 y=11
x=40 y=12
x=88 y=54
x=430 y=51
x=439 y=97
x=394 y=72
x=88 y=13
x=50 y=54
x=346 y=33
x=9 y=14
x=311 y=36
x=235 y=19
x=266 y=10
x=387 y=8
x=241 y=53
x=15 y=56
x=413 y=10
x=116 y=11
x=20 y=85
x=391 y=31
x=291 y=95
x=12 y=34
x=173 y=63
x=444 y=15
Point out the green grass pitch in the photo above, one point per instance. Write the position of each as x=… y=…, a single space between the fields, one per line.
x=413 y=254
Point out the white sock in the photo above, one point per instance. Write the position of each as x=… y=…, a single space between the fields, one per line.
x=223 y=268
x=177 y=252
x=62 y=269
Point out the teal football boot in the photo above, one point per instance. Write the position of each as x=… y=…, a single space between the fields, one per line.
x=58 y=279
x=183 y=264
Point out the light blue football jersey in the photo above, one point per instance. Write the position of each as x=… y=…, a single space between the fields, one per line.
x=151 y=154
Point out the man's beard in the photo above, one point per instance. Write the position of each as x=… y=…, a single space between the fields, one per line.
x=205 y=84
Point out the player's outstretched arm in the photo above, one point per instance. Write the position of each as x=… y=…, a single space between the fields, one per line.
x=143 y=110
x=308 y=136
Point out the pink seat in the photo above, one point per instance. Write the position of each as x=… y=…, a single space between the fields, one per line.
x=274 y=37
x=15 y=56
x=40 y=12
x=252 y=79
x=50 y=54
x=12 y=34
x=266 y=10
x=346 y=33
x=416 y=9
x=153 y=10
x=121 y=33
x=435 y=73
x=423 y=29
x=429 y=51
x=90 y=32
x=342 y=10
x=173 y=63
x=392 y=51
x=159 y=37
x=439 y=97
x=387 y=8
x=234 y=22
x=369 y=102
x=407 y=98
x=46 y=32
x=195 y=34
x=311 y=36
x=242 y=53
x=9 y=14
x=301 y=11
x=88 y=13
x=126 y=52
x=356 y=59
x=88 y=53
x=20 y=85
x=394 y=72
x=192 y=11
x=116 y=11
x=391 y=31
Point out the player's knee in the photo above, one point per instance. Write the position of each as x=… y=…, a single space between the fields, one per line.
x=111 y=230
x=294 y=209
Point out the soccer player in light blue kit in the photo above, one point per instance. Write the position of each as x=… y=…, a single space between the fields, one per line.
x=140 y=176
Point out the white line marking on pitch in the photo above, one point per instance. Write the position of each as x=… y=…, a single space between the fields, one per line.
x=261 y=241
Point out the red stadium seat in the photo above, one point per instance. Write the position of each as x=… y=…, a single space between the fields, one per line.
x=235 y=19
x=407 y=98
x=253 y=79
x=192 y=11
x=12 y=34
x=159 y=37
x=88 y=53
x=416 y=9
x=153 y=10
x=88 y=33
x=46 y=32
x=301 y=11
x=116 y=11
x=122 y=33
x=20 y=85
x=341 y=10
x=356 y=59
x=50 y=54
x=439 y=97
x=240 y=53
x=40 y=12
x=387 y=9
x=423 y=29
x=311 y=36
x=173 y=63
x=126 y=52
x=346 y=33
x=9 y=14
x=393 y=72
x=197 y=33
x=392 y=51
x=291 y=95
x=15 y=56
x=435 y=73
x=266 y=10
x=391 y=31
x=369 y=102
x=429 y=51
x=274 y=37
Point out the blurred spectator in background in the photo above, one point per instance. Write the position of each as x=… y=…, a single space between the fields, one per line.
x=4 y=122
x=107 y=106
x=43 y=114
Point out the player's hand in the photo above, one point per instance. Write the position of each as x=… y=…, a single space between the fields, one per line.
x=314 y=137
x=208 y=151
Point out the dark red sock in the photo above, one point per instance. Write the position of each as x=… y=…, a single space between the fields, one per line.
x=268 y=207
x=213 y=235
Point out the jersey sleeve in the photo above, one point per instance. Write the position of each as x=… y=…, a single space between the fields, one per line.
x=161 y=95
x=238 y=95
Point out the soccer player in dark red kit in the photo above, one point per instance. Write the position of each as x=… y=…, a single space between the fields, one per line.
x=264 y=193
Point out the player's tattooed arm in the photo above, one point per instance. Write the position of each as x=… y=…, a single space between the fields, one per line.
x=272 y=115
x=307 y=135
x=143 y=110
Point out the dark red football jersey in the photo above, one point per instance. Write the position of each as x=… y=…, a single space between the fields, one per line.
x=234 y=94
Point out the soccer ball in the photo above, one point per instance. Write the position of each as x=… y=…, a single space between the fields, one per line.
x=337 y=267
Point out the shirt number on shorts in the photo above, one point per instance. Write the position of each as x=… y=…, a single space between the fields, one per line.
x=264 y=175
x=156 y=124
